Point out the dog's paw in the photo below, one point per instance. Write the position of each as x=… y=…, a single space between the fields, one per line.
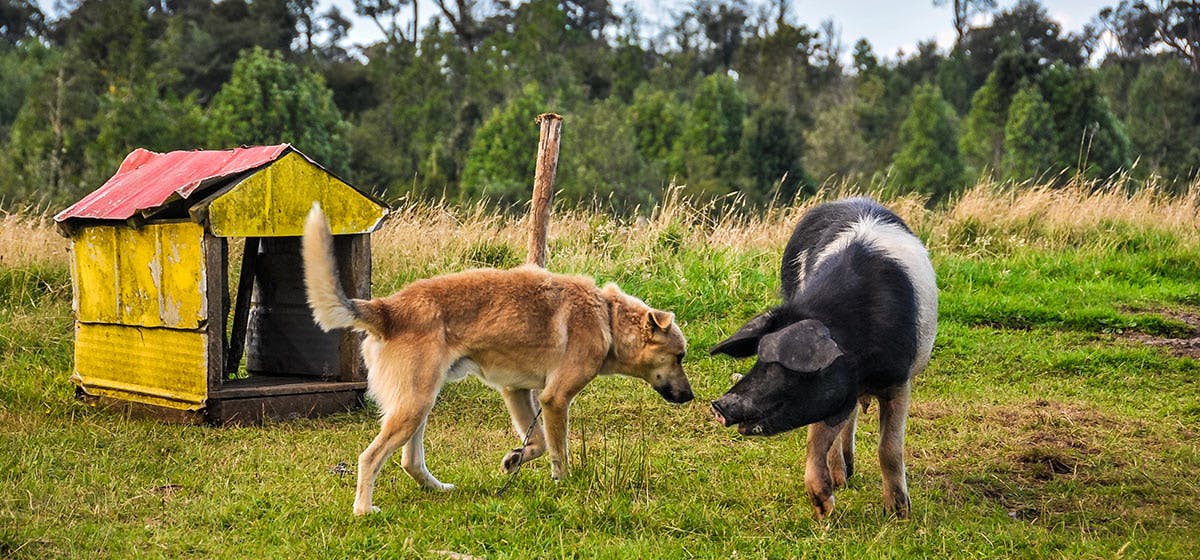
x=361 y=511
x=441 y=487
x=512 y=460
x=558 y=471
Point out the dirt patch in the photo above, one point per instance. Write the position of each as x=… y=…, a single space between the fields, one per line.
x=1022 y=455
x=933 y=410
x=1188 y=347
x=1056 y=439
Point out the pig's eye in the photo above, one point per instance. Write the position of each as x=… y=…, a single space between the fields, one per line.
x=679 y=358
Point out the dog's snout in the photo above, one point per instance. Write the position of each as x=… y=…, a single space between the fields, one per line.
x=674 y=395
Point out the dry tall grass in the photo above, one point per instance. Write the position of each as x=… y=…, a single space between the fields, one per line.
x=1082 y=214
x=29 y=238
x=424 y=238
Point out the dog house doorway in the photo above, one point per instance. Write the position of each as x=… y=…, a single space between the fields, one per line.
x=273 y=347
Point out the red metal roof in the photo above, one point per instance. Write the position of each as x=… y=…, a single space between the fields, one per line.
x=148 y=179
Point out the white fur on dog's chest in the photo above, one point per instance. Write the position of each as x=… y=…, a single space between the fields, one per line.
x=494 y=377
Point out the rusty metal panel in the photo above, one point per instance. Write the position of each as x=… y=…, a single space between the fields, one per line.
x=183 y=297
x=94 y=274
x=147 y=180
x=274 y=202
x=152 y=276
x=162 y=367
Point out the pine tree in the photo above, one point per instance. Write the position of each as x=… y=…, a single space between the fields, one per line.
x=600 y=163
x=657 y=123
x=928 y=161
x=771 y=152
x=1164 y=120
x=1088 y=136
x=711 y=136
x=268 y=101
x=835 y=146
x=982 y=143
x=1028 y=137
x=501 y=160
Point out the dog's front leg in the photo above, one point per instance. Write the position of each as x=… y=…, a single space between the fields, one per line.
x=556 y=400
x=520 y=403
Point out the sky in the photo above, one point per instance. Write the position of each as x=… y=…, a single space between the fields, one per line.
x=890 y=25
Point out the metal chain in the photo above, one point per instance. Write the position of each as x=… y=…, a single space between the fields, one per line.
x=512 y=477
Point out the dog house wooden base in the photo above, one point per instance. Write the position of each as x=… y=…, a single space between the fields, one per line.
x=163 y=323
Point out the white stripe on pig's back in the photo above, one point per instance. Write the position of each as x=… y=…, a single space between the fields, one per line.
x=907 y=250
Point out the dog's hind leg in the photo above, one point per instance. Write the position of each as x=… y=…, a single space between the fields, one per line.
x=893 y=416
x=521 y=408
x=412 y=459
x=405 y=408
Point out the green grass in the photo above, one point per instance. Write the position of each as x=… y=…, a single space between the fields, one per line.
x=1043 y=428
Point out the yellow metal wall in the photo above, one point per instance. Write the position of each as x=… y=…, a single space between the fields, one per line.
x=163 y=367
x=152 y=276
x=141 y=310
x=275 y=201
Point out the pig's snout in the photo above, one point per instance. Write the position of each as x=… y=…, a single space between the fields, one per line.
x=718 y=415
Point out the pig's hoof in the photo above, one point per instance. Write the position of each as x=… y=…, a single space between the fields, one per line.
x=899 y=506
x=839 y=469
x=822 y=507
x=512 y=460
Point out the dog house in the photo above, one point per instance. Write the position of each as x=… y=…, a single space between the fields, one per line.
x=159 y=325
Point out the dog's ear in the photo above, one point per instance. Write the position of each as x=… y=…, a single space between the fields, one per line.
x=802 y=347
x=659 y=319
x=744 y=342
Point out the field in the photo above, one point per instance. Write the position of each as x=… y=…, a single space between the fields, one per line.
x=1059 y=418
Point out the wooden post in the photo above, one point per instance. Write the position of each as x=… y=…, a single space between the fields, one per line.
x=241 y=308
x=543 y=187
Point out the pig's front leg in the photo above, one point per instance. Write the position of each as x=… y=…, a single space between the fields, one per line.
x=818 y=479
x=893 y=416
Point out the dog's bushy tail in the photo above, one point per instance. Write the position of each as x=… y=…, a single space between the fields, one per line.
x=330 y=306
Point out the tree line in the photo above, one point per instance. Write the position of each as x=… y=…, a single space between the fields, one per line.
x=732 y=96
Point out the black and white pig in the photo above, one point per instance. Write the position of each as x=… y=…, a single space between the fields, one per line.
x=858 y=320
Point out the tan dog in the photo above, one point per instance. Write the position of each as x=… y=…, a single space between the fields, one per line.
x=520 y=331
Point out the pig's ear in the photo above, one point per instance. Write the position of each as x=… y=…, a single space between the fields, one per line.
x=803 y=347
x=744 y=342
